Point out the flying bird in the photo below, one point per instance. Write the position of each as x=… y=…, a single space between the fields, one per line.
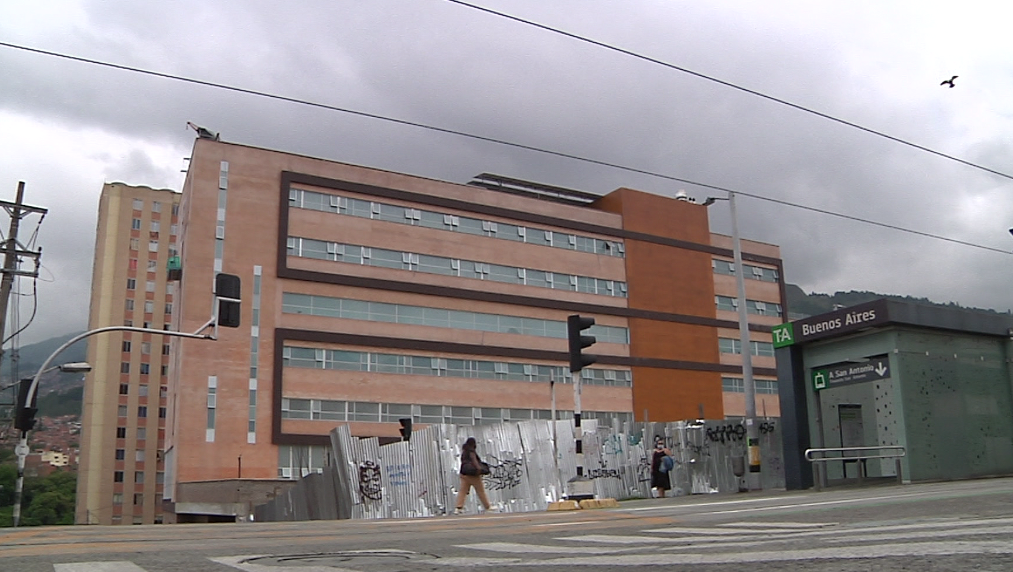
x=949 y=82
x=202 y=132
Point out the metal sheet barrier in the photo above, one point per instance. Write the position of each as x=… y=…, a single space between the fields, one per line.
x=530 y=462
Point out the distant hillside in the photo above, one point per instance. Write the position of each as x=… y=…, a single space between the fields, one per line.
x=811 y=304
x=30 y=357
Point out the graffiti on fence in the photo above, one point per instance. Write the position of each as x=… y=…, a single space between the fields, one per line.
x=612 y=444
x=644 y=470
x=603 y=473
x=397 y=475
x=726 y=433
x=767 y=427
x=370 y=485
x=505 y=474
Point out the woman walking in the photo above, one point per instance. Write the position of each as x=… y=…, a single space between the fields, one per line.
x=472 y=469
x=659 y=477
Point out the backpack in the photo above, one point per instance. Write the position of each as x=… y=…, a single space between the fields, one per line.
x=667 y=464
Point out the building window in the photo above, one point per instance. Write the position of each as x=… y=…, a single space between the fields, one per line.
x=126 y=345
x=142 y=411
x=139 y=455
x=156 y=207
x=145 y=348
x=165 y=349
x=130 y=305
x=138 y=499
x=121 y=411
x=161 y=413
x=118 y=497
x=132 y=265
x=149 y=286
x=135 y=224
x=131 y=284
x=168 y=308
x=121 y=454
x=438 y=317
x=121 y=432
x=125 y=367
x=134 y=244
x=149 y=306
x=138 y=204
x=155 y=226
x=145 y=369
x=152 y=265
x=117 y=476
x=152 y=246
x=142 y=390
x=142 y=433
x=165 y=370
x=138 y=477
x=124 y=388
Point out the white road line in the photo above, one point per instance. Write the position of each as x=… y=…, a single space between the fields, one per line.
x=851 y=532
x=848 y=552
x=107 y=566
x=793 y=525
x=716 y=531
x=670 y=507
x=515 y=547
x=927 y=534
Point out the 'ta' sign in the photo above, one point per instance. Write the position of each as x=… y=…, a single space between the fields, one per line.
x=783 y=334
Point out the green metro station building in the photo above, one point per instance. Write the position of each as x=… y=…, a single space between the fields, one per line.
x=937 y=381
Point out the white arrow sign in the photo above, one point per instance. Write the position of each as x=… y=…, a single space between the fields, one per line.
x=881 y=369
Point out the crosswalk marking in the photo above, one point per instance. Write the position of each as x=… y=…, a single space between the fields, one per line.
x=535 y=548
x=790 y=525
x=837 y=553
x=107 y=566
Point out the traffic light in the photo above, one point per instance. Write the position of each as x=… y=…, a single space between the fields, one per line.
x=24 y=417
x=228 y=291
x=574 y=326
x=406 y=428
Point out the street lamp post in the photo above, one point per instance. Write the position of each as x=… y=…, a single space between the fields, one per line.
x=748 y=385
x=21 y=450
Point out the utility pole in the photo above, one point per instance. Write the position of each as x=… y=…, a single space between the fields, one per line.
x=748 y=385
x=13 y=252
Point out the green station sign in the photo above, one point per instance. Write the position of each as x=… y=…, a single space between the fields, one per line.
x=784 y=335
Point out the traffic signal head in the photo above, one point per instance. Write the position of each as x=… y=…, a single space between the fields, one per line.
x=24 y=416
x=406 y=428
x=574 y=326
x=228 y=290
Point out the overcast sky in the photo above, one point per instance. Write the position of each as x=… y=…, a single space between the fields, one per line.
x=67 y=127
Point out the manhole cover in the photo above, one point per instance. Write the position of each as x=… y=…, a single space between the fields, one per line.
x=339 y=558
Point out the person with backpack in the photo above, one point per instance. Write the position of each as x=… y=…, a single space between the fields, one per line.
x=472 y=469
x=661 y=467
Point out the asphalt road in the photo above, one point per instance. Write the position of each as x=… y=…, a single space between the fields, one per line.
x=965 y=525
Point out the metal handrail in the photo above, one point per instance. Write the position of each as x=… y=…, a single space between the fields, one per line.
x=899 y=452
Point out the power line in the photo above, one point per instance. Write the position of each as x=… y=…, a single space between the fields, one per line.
x=493 y=140
x=672 y=66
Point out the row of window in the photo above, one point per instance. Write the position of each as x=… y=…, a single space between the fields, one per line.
x=138 y=500
x=149 y=305
x=752 y=306
x=431 y=219
x=369 y=256
x=156 y=207
x=142 y=390
x=145 y=348
x=443 y=367
x=155 y=226
x=737 y=385
x=752 y=272
x=143 y=369
x=142 y=411
x=438 y=317
x=142 y=433
x=135 y=244
x=138 y=478
x=324 y=410
x=734 y=346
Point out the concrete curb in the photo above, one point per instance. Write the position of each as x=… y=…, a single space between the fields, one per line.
x=584 y=504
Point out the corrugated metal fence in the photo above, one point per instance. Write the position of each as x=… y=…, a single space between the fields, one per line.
x=530 y=461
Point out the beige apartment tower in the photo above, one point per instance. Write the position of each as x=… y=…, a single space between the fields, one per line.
x=120 y=478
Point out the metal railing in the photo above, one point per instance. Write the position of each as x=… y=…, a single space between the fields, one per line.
x=853 y=454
